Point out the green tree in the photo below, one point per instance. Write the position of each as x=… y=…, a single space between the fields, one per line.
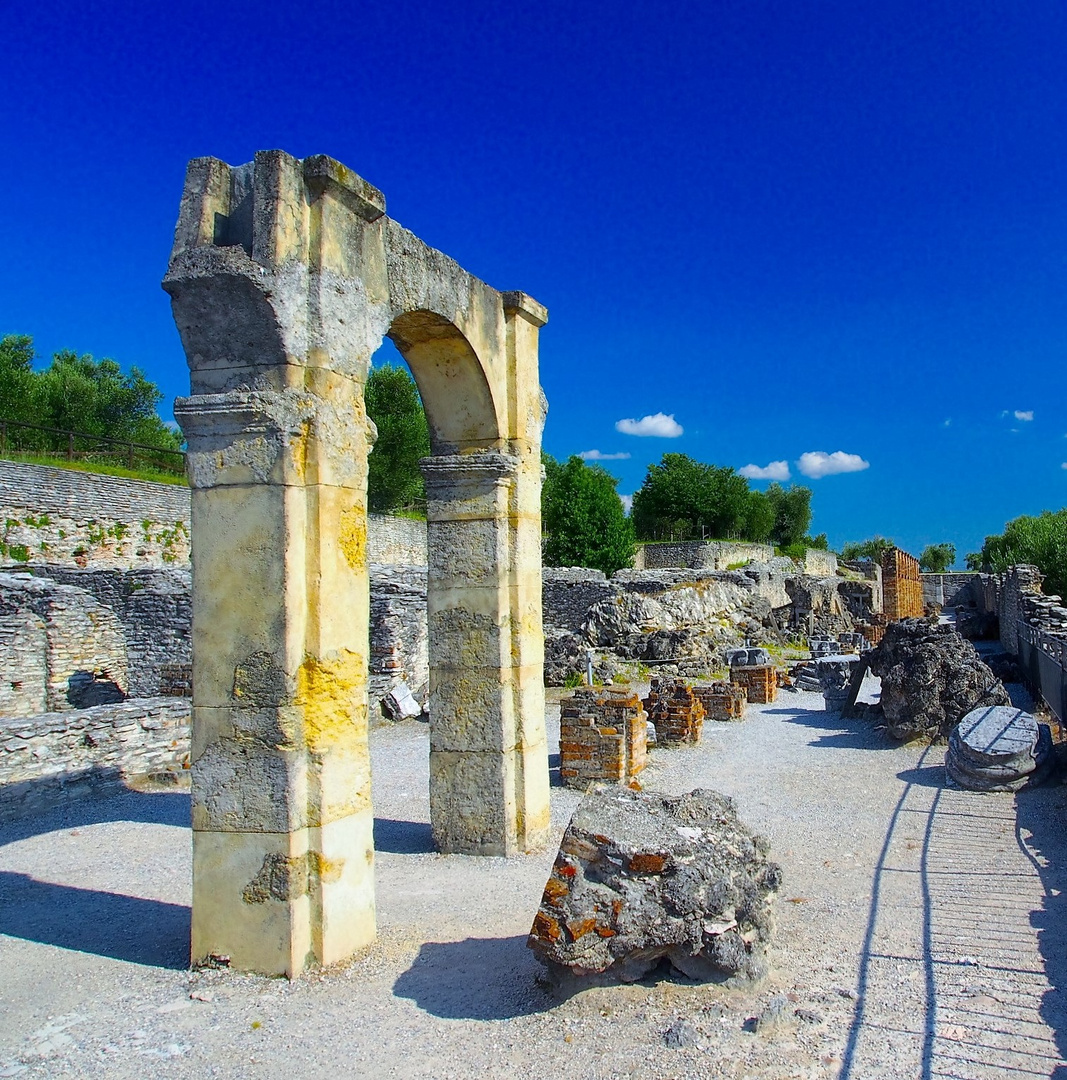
x=820 y=543
x=1040 y=540
x=683 y=499
x=872 y=549
x=583 y=519
x=792 y=513
x=393 y=403
x=937 y=558
x=78 y=393
x=18 y=394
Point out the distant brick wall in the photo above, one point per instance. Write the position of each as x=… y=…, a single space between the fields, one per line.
x=901 y=586
x=49 y=759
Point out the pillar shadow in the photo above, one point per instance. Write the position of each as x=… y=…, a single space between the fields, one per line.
x=475 y=979
x=148 y=932
x=403 y=837
x=81 y=804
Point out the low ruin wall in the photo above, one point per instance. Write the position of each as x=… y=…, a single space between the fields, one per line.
x=700 y=555
x=58 y=756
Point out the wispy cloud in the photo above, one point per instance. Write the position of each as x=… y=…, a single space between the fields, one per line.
x=1064 y=465
x=596 y=455
x=659 y=425
x=817 y=463
x=1024 y=414
x=947 y=423
x=776 y=470
x=628 y=500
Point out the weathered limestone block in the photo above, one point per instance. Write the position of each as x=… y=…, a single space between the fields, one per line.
x=603 y=736
x=998 y=748
x=641 y=877
x=675 y=711
x=931 y=678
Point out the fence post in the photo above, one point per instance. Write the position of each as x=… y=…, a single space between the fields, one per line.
x=129 y=456
x=3 y=435
x=70 y=446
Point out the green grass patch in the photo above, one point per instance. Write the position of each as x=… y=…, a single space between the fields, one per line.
x=153 y=475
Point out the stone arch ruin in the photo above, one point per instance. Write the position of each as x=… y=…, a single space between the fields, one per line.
x=285 y=277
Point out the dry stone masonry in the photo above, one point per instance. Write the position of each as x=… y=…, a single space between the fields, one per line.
x=641 y=878
x=603 y=736
x=285 y=277
x=54 y=757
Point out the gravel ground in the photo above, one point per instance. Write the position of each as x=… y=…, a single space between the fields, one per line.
x=922 y=933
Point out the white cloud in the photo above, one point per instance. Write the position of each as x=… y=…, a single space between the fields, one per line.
x=1064 y=465
x=817 y=463
x=628 y=500
x=948 y=422
x=1021 y=414
x=596 y=455
x=776 y=470
x=659 y=425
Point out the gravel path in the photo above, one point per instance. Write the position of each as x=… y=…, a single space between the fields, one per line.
x=922 y=934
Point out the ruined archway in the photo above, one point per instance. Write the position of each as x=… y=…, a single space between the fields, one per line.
x=285 y=276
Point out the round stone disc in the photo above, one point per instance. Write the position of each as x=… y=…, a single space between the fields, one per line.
x=998 y=731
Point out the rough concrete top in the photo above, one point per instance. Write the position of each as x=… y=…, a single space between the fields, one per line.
x=998 y=730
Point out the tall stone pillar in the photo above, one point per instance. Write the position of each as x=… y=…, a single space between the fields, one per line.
x=278 y=441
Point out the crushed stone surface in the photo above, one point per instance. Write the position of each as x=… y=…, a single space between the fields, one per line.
x=922 y=933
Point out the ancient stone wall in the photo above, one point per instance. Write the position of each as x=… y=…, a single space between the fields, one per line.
x=395 y=541
x=154 y=609
x=398 y=631
x=1016 y=585
x=48 y=759
x=56 y=639
x=949 y=590
x=902 y=589
x=722 y=700
x=87 y=519
x=675 y=711
x=700 y=555
x=760 y=682
x=819 y=563
x=568 y=592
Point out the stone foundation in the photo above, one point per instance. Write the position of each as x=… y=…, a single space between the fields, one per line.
x=603 y=736
x=722 y=700
x=759 y=681
x=676 y=712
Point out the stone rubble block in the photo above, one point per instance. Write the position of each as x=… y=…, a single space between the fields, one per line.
x=931 y=678
x=642 y=877
x=998 y=748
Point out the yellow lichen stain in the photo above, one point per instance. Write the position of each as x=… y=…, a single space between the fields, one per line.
x=326 y=870
x=299 y=448
x=329 y=693
x=352 y=537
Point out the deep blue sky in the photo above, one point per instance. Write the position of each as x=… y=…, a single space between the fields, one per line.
x=794 y=226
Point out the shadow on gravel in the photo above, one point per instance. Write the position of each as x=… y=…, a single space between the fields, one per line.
x=841 y=734
x=1041 y=817
x=932 y=776
x=150 y=808
x=475 y=979
x=403 y=837
x=140 y=931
